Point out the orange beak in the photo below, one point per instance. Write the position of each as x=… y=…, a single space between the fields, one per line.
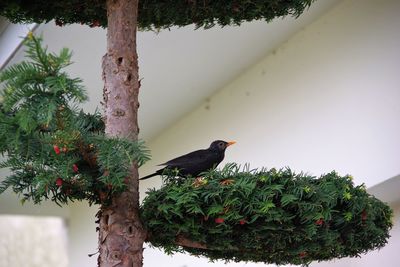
x=230 y=143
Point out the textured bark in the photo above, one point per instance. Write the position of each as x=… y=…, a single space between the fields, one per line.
x=121 y=234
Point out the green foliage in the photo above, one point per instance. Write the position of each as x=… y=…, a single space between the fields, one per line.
x=271 y=216
x=153 y=14
x=53 y=150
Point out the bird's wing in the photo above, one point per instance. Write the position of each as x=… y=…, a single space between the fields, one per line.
x=195 y=158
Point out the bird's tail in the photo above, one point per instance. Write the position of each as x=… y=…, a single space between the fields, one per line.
x=149 y=176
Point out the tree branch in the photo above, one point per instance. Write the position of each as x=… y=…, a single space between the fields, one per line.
x=185 y=242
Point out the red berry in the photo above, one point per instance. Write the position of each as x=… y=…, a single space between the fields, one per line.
x=242 y=222
x=219 y=220
x=319 y=222
x=364 y=215
x=56 y=149
x=75 y=168
x=59 y=181
x=302 y=254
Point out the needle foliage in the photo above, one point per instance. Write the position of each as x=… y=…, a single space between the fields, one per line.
x=54 y=150
x=270 y=216
x=154 y=14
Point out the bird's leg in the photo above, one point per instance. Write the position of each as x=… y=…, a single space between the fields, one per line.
x=227 y=182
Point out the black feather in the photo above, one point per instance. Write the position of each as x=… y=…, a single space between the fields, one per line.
x=196 y=162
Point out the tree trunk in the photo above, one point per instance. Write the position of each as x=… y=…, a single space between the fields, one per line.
x=121 y=234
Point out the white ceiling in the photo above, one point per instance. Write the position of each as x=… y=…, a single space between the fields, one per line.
x=180 y=68
x=3 y=25
x=387 y=191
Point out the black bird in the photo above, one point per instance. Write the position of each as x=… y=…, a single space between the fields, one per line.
x=197 y=161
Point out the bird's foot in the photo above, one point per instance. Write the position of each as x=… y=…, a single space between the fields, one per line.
x=199 y=181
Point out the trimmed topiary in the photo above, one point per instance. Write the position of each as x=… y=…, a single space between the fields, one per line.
x=153 y=14
x=271 y=216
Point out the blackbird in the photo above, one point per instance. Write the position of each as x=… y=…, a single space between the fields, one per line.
x=196 y=162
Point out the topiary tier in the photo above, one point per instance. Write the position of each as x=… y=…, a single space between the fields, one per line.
x=270 y=216
x=153 y=14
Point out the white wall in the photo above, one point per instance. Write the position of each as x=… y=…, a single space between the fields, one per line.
x=82 y=235
x=32 y=241
x=327 y=99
